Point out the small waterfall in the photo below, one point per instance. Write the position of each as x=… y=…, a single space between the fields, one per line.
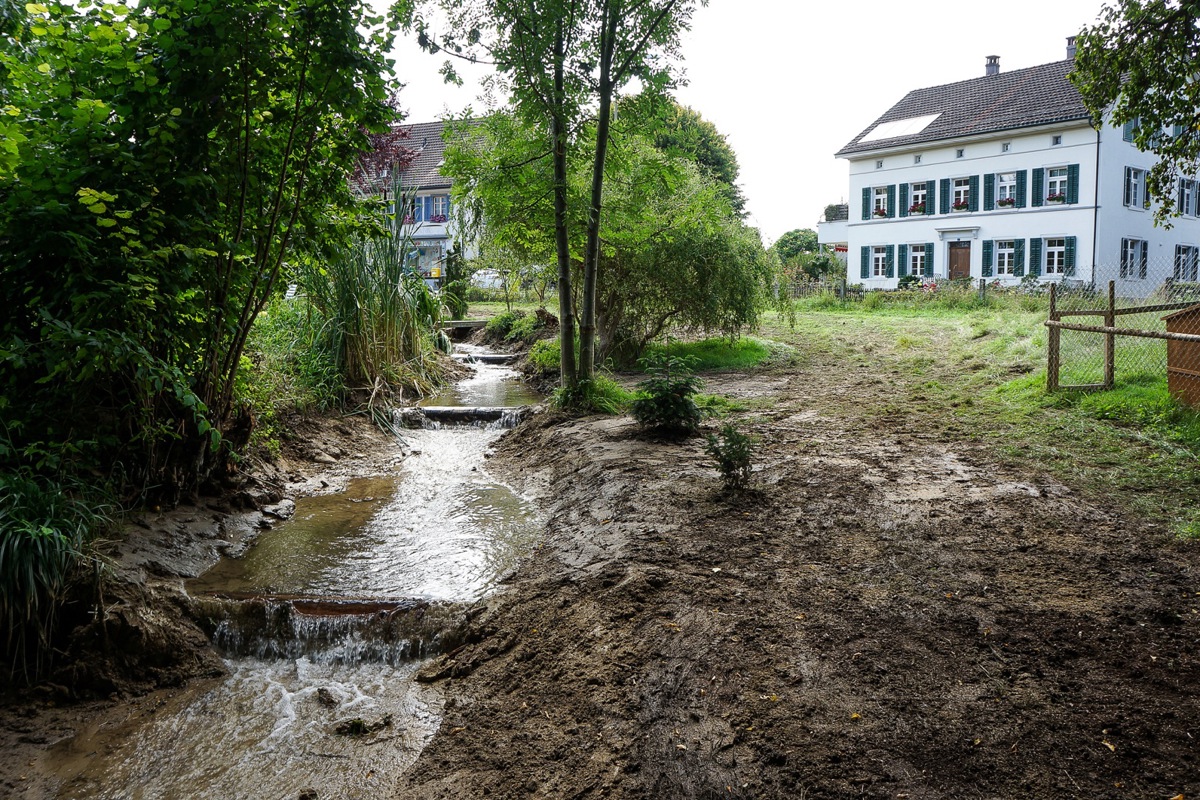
x=435 y=417
x=329 y=630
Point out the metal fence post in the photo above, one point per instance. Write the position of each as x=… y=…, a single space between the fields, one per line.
x=1110 y=339
x=1052 y=343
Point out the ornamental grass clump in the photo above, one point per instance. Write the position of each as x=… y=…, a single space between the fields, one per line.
x=665 y=403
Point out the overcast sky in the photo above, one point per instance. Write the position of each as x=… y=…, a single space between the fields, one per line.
x=789 y=82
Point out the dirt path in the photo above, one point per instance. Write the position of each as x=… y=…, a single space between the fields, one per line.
x=892 y=615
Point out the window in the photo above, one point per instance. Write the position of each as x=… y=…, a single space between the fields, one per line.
x=1056 y=185
x=879 y=205
x=1135 y=188
x=1056 y=257
x=1004 y=148
x=916 y=159
x=961 y=197
x=1006 y=189
x=1185 y=202
x=1006 y=257
x=916 y=260
x=918 y=193
x=414 y=210
x=879 y=164
x=1186 y=258
x=879 y=262
x=1129 y=128
x=1056 y=139
x=959 y=153
x=1133 y=259
x=440 y=208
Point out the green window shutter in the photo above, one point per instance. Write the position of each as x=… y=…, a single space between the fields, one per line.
x=891 y=200
x=866 y=262
x=1035 y=256
x=1021 y=187
x=903 y=255
x=1069 y=256
x=1019 y=258
x=1142 y=259
x=1176 y=131
x=929 y=259
x=988 y=246
x=1072 y=183
x=890 y=264
x=1127 y=131
x=930 y=196
x=973 y=188
x=989 y=191
x=904 y=199
x=866 y=202
x=1039 y=187
x=1128 y=196
x=944 y=200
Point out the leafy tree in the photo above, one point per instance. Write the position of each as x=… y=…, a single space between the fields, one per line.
x=564 y=62
x=683 y=132
x=794 y=242
x=1138 y=62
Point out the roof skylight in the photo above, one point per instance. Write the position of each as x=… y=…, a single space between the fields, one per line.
x=900 y=127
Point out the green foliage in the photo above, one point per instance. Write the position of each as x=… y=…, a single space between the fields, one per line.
x=456 y=290
x=544 y=356
x=665 y=403
x=45 y=529
x=683 y=133
x=500 y=326
x=601 y=395
x=734 y=454
x=525 y=329
x=292 y=359
x=1138 y=58
x=790 y=245
x=723 y=353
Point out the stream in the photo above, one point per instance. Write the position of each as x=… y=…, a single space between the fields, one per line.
x=324 y=622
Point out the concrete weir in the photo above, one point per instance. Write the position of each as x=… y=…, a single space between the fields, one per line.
x=434 y=416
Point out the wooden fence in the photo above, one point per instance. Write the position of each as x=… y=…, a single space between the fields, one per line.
x=1109 y=330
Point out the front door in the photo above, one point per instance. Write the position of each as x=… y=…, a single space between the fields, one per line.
x=960 y=260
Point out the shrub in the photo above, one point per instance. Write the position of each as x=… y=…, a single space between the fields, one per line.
x=665 y=403
x=545 y=356
x=524 y=329
x=600 y=395
x=733 y=451
x=499 y=326
x=909 y=282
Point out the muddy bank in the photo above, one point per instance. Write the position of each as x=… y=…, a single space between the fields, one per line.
x=134 y=659
x=888 y=616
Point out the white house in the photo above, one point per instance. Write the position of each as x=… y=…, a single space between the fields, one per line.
x=1003 y=176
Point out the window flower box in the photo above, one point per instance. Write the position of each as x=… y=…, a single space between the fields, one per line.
x=1058 y=197
x=960 y=205
x=1006 y=202
x=409 y=219
x=880 y=212
x=437 y=218
x=916 y=208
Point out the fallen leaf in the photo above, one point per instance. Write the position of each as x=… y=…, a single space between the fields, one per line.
x=716 y=569
x=856 y=716
x=1109 y=745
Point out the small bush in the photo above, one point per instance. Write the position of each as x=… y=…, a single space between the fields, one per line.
x=499 y=326
x=665 y=403
x=524 y=329
x=601 y=395
x=545 y=356
x=733 y=451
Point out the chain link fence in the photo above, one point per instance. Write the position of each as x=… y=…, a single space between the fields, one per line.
x=1124 y=328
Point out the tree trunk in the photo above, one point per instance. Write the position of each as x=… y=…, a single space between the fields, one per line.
x=591 y=259
x=566 y=315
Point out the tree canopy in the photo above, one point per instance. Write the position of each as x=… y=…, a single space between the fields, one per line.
x=1138 y=63
x=794 y=242
x=682 y=131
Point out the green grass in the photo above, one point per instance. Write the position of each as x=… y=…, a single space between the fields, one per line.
x=979 y=375
x=723 y=354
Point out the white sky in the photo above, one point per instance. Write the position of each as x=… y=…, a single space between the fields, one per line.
x=790 y=82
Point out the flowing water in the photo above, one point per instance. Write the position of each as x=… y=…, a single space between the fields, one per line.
x=324 y=621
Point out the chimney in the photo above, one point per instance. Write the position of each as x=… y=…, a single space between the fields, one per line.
x=993 y=65
x=1070 y=48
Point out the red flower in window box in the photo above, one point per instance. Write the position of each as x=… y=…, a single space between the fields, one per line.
x=881 y=212
x=408 y=219
x=916 y=208
x=437 y=218
x=960 y=205
x=1006 y=202
x=1057 y=197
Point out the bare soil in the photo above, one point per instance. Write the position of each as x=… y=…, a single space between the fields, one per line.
x=889 y=614
x=894 y=611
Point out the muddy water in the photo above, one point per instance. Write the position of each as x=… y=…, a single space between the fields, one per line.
x=438 y=531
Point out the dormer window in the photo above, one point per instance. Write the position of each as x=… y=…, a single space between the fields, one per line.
x=879 y=164
x=1056 y=140
x=959 y=153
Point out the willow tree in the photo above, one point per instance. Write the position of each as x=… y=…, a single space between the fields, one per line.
x=564 y=63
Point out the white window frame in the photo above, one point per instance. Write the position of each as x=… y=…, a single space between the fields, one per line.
x=1186 y=199
x=440 y=205
x=879 y=199
x=914 y=193
x=960 y=192
x=1006 y=257
x=916 y=260
x=1187 y=260
x=1006 y=189
x=1131 y=255
x=1055 y=249
x=1056 y=182
x=879 y=261
x=1135 y=187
